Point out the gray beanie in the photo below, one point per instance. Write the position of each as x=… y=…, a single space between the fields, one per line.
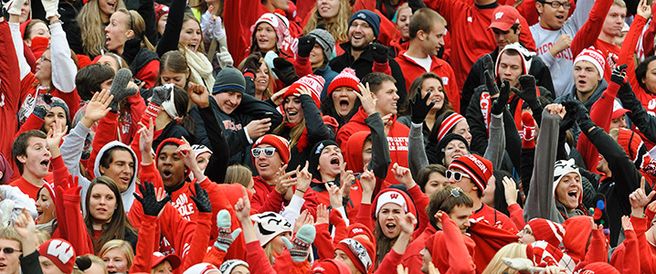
x=229 y=79
x=325 y=40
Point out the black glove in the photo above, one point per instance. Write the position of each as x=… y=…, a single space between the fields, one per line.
x=201 y=199
x=381 y=53
x=420 y=107
x=501 y=102
x=119 y=90
x=579 y=113
x=528 y=91
x=285 y=71
x=305 y=45
x=488 y=64
x=252 y=64
x=161 y=94
x=131 y=49
x=151 y=206
x=619 y=75
x=490 y=84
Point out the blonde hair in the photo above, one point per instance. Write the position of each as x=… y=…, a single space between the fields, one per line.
x=138 y=26
x=9 y=233
x=271 y=86
x=239 y=174
x=337 y=26
x=513 y=250
x=92 y=27
x=94 y=260
x=201 y=47
x=619 y=3
x=123 y=246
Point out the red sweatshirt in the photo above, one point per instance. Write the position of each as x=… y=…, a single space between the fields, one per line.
x=625 y=256
x=9 y=84
x=494 y=218
x=601 y=116
x=611 y=52
x=451 y=251
x=148 y=74
x=29 y=91
x=412 y=70
x=397 y=139
x=489 y=239
x=412 y=259
x=471 y=36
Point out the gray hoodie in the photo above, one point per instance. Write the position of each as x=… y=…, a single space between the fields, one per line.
x=71 y=150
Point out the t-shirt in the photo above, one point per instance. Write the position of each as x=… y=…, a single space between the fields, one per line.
x=28 y=188
x=424 y=62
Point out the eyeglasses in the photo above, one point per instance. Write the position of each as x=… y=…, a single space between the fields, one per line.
x=456 y=176
x=268 y=151
x=556 y=4
x=9 y=250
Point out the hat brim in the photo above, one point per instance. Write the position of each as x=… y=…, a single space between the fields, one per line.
x=619 y=113
x=171 y=258
x=502 y=26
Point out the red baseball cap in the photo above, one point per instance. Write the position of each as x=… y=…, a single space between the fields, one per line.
x=618 y=110
x=504 y=17
x=159 y=258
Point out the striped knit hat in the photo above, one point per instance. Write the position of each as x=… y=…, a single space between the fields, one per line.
x=543 y=254
x=448 y=123
x=478 y=168
x=547 y=230
x=312 y=82
x=346 y=78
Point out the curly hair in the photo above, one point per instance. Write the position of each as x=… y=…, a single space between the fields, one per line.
x=337 y=26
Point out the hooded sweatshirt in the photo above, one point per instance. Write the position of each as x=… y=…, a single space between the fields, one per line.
x=126 y=195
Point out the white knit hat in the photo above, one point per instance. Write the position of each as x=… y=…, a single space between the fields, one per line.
x=229 y=265
x=562 y=168
x=269 y=225
x=593 y=56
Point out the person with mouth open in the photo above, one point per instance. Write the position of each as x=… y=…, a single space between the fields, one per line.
x=32 y=157
x=559 y=39
x=340 y=101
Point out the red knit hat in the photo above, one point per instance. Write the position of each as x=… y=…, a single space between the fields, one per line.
x=547 y=230
x=394 y=196
x=543 y=254
x=361 y=252
x=598 y=268
x=330 y=266
x=448 y=123
x=478 y=168
x=160 y=10
x=578 y=230
x=346 y=78
x=358 y=229
x=172 y=140
x=60 y=252
x=633 y=146
x=312 y=82
x=595 y=57
x=281 y=145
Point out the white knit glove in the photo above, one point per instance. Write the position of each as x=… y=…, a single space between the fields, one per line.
x=225 y=59
x=51 y=8
x=15 y=6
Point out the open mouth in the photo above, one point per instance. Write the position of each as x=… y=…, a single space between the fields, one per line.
x=334 y=160
x=167 y=174
x=45 y=163
x=390 y=227
x=560 y=17
x=581 y=82
x=573 y=193
x=192 y=46
x=291 y=114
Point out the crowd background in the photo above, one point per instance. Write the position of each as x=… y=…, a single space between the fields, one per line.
x=327 y=136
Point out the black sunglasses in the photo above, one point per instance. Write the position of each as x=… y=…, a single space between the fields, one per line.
x=9 y=250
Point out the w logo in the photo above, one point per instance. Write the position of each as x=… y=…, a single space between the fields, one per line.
x=61 y=250
x=394 y=196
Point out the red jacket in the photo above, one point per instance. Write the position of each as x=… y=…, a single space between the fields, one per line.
x=9 y=84
x=612 y=54
x=397 y=138
x=451 y=251
x=489 y=239
x=491 y=216
x=601 y=116
x=412 y=70
x=412 y=259
x=471 y=37
x=624 y=256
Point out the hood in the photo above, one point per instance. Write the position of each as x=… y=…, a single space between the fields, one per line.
x=353 y=153
x=523 y=52
x=595 y=95
x=126 y=195
x=578 y=231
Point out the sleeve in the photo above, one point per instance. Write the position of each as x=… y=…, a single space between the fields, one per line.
x=339 y=226
x=256 y=257
x=389 y=263
x=421 y=202
x=291 y=211
x=147 y=12
x=540 y=201
x=477 y=126
x=451 y=10
x=380 y=155
x=146 y=245
x=252 y=107
x=647 y=258
x=364 y=215
x=472 y=82
x=63 y=76
x=149 y=73
x=32 y=122
x=24 y=68
x=597 y=249
x=627 y=56
x=517 y=215
x=580 y=15
x=171 y=35
x=631 y=251
x=323 y=242
x=587 y=35
x=200 y=240
x=602 y=117
x=218 y=164
x=316 y=129
x=417 y=158
x=71 y=148
x=497 y=141
x=77 y=230
x=30 y=263
x=637 y=113
x=106 y=132
x=137 y=109
x=303 y=66
x=459 y=259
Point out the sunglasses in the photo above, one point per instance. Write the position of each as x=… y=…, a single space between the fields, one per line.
x=456 y=176
x=268 y=151
x=9 y=250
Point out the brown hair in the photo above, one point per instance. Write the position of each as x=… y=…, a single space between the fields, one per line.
x=138 y=26
x=173 y=61
x=239 y=174
x=424 y=19
x=425 y=173
x=19 y=147
x=376 y=80
x=419 y=81
x=444 y=200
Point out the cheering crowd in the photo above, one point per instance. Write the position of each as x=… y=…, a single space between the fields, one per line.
x=327 y=136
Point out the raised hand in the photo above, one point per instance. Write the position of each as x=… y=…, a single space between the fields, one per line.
x=199 y=95
x=403 y=175
x=336 y=194
x=619 y=75
x=367 y=99
x=225 y=59
x=420 y=107
x=54 y=138
x=528 y=91
x=510 y=190
x=243 y=208
x=299 y=247
x=346 y=179
x=226 y=235
x=97 y=108
x=304 y=218
x=381 y=53
x=146 y=138
x=626 y=223
x=488 y=65
x=201 y=199
x=490 y=84
x=638 y=199
x=407 y=222
x=161 y=94
x=323 y=215
x=556 y=109
x=286 y=181
x=25 y=227
x=305 y=45
x=303 y=178
x=120 y=87
x=257 y=128
x=285 y=70
x=500 y=103
x=644 y=9
x=152 y=206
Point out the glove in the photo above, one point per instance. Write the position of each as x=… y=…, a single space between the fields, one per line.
x=619 y=75
x=285 y=71
x=226 y=236
x=118 y=88
x=40 y=111
x=15 y=6
x=252 y=64
x=488 y=64
x=225 y=59
x=161 y=94
x=151 y=206
x=419 y=107
x=490 y=84
x=576 y=110
x=381 y=53
x=305 y=45
x=299 y=248
x=528 y=92
x=201 y=199
x=528 y=130
x=50 y=6
x=501 y=102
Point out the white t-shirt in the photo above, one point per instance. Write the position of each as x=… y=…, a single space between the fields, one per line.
x=423 y=62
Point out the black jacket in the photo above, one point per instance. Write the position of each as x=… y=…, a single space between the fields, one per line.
x=220 y=159
x=476 y=77
x=364 y=66
x=637 y=113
